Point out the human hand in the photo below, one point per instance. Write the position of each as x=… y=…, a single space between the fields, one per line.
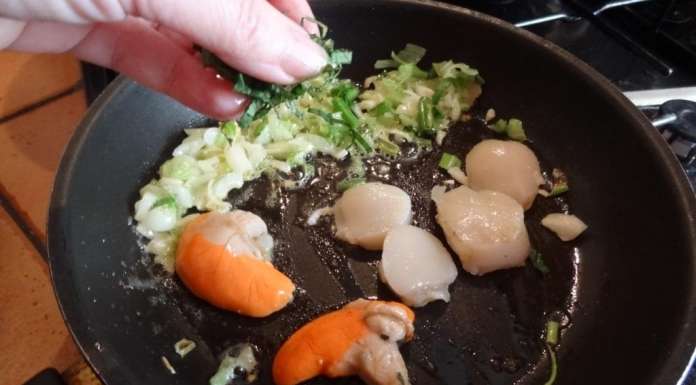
x=152 y=41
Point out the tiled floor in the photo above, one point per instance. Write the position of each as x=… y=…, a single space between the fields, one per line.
x=40 y=104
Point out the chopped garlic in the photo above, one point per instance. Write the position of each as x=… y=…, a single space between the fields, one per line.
x=567 y=227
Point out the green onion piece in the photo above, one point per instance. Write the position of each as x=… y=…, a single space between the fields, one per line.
x=425 y=115
x=554 y=366
x=347 y=183
x=360 y=141
x=552 y=332
x=347 y=114
x=387 y=147
x=230 y=129
x=382 y=108
x=538 y=261
x=448 y=161
x=168 y=201
x=515 y=130
x=500 y=126
x=559 y=188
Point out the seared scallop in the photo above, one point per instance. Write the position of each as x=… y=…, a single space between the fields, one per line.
x=225 y=259
x=485 y=228
x=365 y=213
x=508 y=167
x=416 y=266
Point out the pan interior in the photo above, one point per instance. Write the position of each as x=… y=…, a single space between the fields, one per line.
x=621 y=290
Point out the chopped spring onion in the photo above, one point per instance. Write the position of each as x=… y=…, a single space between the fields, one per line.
x=348 y=183
x=448 y=161
x=500 y=126
x=515 y=130
x=554 y=366
x=410 y=54
x=184 y=346
x=348 y=116
x=230 y=129
x=167 y=201
x=552 y=332
x=538 y=261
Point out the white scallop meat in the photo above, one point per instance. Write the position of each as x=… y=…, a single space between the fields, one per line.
x=365 y=213
x=416 y=266
x=508 y=167
x=485 y=228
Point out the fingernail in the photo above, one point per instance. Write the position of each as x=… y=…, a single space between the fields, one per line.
x=306 y=59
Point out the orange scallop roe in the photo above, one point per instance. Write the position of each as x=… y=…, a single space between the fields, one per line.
x=240 y=283
x=318 y=346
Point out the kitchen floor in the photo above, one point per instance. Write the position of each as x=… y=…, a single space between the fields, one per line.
x=41 y=102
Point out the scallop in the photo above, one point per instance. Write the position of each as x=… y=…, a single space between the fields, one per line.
x=416 y=266
x=485 y=228
x=505 y=166
x=365 y=213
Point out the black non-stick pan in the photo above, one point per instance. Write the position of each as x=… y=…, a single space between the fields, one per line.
x=625 y=292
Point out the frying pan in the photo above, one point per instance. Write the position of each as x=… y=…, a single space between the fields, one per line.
x=625 y=292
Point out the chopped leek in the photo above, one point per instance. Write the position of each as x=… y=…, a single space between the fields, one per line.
x=448 y=161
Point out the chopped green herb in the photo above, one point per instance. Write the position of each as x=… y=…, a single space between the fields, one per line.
x=341 y=56
x=348 y=116
x=448 y=161
x=348 y=183
x=360 y=140
x=552 y=332
x=538 y=261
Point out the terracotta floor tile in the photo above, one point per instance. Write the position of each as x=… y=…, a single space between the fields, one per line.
x=27 y=78
x=30 y=149
x=32 y=333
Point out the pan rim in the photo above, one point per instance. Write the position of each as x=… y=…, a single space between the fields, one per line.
x=674 y=368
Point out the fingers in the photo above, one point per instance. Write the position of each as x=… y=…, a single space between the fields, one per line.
x=296 y=10
x=137 y=50
x=250 y=35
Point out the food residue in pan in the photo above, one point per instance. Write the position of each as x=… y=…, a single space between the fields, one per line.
x=224 y=255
